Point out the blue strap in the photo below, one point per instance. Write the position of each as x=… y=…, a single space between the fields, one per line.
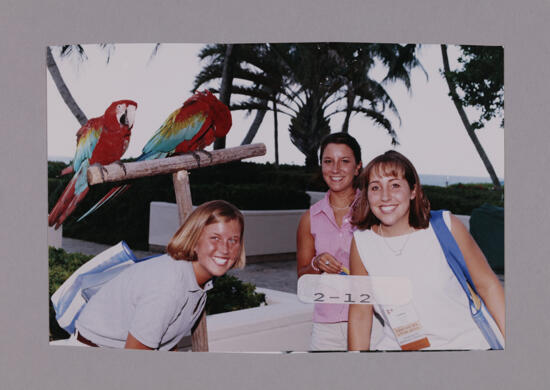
x=456 y=262
x=452 y=252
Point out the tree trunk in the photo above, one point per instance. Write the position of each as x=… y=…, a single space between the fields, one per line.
x=349 y=107
x=466 y=122
x=276 y=133
x=225 y=88
x=63 y=90
x=311 y=160
x=345 y=125
x=254 y=127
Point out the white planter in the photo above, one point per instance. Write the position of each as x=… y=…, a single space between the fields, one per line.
x=55 y=237
x=283 y=325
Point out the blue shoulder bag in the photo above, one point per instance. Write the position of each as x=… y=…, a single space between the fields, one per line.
x=455 y=259
x=69 y=299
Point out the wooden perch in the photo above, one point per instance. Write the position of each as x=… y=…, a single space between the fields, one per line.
x=115 y=172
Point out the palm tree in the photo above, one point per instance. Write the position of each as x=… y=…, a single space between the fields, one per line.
x=356 y=60
x=254 y=75
x=60 y=83
x=309 y=81
x=226 y=84
x=324 y=74
x=465 y=121
x=67 y=51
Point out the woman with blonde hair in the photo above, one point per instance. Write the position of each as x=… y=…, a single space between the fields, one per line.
x=154 y=303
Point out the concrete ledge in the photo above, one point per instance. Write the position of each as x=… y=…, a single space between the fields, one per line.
x=283 y=325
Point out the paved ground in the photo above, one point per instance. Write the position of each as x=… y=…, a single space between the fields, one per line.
x=275 y=275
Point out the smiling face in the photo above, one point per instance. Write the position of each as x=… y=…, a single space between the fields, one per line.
x=217 y=249
x=339 y=167
x=389 y=197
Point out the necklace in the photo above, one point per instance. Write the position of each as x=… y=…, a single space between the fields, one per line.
x=341 y=208
x=396 y=252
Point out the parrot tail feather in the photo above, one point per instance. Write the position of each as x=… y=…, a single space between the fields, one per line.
x=71 y=207
x=66 y=171
x=113 y=193
x=61 y=205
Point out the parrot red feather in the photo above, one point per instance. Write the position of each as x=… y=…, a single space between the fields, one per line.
x=101 y=140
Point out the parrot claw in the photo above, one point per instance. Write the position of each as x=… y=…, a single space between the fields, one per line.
x=121 y=164
x=207 y=153
x=195 y=154
x=197 y=158
x=101 y=170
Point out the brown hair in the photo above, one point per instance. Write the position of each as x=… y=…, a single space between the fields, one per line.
x=183 y=243
x=392 y=163
x=343 y=139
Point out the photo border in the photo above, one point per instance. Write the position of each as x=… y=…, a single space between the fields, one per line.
x=27 y=361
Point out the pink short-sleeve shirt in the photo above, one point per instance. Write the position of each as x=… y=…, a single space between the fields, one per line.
x=331 y=238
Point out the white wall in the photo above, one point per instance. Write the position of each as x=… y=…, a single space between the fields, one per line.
x=265 y=232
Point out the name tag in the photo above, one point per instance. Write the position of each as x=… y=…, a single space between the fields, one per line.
x=406 y=326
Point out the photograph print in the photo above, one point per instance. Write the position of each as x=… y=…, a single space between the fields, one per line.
x=194 y=189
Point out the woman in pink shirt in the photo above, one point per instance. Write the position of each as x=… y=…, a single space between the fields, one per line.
x=325 y=232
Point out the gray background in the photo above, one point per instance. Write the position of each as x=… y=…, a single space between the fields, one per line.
x=27 y=27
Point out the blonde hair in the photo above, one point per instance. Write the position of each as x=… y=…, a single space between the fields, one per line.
x=183 y=243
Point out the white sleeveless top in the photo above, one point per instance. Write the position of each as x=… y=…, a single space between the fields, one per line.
x=440 y=302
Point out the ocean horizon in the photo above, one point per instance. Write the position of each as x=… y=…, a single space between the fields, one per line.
x=446 y=180
x=427 y=179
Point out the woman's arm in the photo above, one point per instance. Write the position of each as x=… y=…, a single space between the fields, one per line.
x=305 y=244
x=485 y=280
x=133 y=343
x=360 y=316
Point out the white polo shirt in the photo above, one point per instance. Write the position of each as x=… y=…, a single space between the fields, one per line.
x=157 y=301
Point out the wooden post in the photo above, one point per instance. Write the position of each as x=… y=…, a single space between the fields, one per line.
x=183 y=194
x=199 y=337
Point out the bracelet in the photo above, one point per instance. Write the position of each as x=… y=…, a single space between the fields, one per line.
x=315 y=268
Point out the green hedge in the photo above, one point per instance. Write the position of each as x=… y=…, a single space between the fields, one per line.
x=61 y=266
x=462 y=198
x=228 y=294
x=249 y=186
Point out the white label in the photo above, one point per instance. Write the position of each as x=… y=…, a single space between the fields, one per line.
x=354 y=289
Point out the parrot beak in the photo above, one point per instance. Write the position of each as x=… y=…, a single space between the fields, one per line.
x=128 y=117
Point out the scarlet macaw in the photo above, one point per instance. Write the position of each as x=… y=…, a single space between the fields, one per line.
x=201 y=119
x=101 y=140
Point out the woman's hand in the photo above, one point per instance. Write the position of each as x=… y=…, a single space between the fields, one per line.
x=307 y=262
x=325 y=262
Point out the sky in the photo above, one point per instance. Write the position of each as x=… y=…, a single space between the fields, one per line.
x=431 y=134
